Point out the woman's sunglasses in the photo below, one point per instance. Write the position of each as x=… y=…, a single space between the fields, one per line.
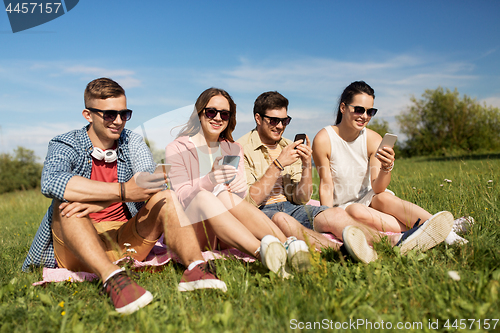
x=274 y=121
x=110 y=115
x=361 y=110
x=211 y=113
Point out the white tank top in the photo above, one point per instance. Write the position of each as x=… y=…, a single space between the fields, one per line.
x=350 y=169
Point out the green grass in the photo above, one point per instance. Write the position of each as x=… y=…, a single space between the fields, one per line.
x=414 y=288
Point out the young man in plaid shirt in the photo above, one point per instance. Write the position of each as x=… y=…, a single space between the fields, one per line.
x=107 y=201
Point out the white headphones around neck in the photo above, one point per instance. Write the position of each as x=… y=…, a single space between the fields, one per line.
x=109 y=155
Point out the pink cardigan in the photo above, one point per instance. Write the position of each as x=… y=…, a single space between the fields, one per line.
x=184 y=174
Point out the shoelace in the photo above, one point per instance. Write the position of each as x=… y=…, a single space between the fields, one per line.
x=118 y=282
x=408 y=233
x=209 y=268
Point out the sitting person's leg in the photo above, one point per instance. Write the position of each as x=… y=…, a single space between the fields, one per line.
x=164 y=213
x=292 y=227
x=78 y=246
x=251 y=217
x=405 y=212
x=374 y=219
x=205 y=206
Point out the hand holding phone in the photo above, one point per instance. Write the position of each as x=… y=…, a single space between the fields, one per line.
x=300 y=136
x=232 y=160
x=388 y=141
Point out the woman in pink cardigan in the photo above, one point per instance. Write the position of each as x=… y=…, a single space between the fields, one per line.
x=212 y=193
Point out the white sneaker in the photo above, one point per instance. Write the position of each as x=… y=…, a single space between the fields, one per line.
x=298 y=254
x=356 y=245
x=454 y=239
x=463 y=224
x=273 y=255
x=428 y=234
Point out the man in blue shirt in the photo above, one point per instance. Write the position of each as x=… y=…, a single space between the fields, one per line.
x=106 y=202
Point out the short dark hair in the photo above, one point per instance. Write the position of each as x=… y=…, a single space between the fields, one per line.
x=355 y=88
x=270 y=100
x=102 y=88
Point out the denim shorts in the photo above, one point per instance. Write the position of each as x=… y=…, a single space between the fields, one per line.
x=305 y=214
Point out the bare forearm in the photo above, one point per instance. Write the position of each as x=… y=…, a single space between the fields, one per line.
x=81 y=189
x=380 y=183
x=304 y=189
x=326 y=194
x=263 y=187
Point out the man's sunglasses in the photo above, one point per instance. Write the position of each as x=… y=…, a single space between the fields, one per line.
x=211 y=113
x=361 y=110
x=274 y=121
x=110 y=115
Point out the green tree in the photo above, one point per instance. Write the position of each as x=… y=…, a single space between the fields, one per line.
x=442 y=123
x=380 y=126
x=19 y=172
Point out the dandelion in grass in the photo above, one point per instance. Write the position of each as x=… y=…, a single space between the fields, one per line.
x=61 y=304
x=454 y=275
x=63 y=313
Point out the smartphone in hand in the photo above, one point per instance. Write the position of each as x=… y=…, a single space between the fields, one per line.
x=163 y=168
x=300 y=136
x=388 y=141
x=233 y=160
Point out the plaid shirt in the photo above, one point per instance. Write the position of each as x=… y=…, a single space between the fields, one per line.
x=69 y=155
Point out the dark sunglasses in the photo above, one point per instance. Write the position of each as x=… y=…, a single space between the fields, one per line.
x=361 y=110
x=110 y=115
x=274 y=121
x=211 y=113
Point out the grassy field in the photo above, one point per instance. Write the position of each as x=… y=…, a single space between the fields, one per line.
x=414 y=292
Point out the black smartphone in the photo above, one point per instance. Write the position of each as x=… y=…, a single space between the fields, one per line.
x=300 y=136
x=233 y=160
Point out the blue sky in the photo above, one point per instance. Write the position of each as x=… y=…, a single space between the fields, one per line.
x=165 y=53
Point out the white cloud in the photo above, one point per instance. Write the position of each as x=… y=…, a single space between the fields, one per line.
x=492 y=101
x=34 y=137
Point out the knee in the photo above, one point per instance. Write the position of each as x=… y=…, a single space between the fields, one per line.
x=382 y=199
x=358 y=212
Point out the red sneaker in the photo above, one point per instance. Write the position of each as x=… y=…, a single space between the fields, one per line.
x=127 y=296
x=202 y=276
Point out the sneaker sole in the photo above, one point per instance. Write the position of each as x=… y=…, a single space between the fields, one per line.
x=300 y=261
x=275 y=258
x=433 y=232
x=202 y=284
x=141 y=302
x=356 y=245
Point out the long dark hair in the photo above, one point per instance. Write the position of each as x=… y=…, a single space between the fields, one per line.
x=193 y=125
x=355 y=88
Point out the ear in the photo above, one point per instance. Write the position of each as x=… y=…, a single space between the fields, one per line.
x=342 y=107
x=258 y=119
x=86 y=115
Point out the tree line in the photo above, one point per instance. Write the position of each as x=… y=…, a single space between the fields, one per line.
x=443 y=123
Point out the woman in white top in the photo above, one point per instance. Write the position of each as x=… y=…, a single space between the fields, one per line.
x=353 y=174
x=212 y=193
